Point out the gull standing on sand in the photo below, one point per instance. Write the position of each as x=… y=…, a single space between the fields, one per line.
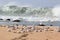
x=58 y=29
x=9 y=30
x=7 y=26
x=35 y=30
x=22 y=30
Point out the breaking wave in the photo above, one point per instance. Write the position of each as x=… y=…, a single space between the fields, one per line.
x=27 y=12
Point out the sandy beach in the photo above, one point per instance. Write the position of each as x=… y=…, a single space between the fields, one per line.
x=50 y=34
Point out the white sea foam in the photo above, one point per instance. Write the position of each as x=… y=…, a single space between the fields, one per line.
x=30 y=13
x=56 y=11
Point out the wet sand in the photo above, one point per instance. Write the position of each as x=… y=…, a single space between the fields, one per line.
x=51 y=34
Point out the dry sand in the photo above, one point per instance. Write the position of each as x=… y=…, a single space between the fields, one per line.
x=44 y=35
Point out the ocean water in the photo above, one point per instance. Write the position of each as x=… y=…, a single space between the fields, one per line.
x=28 y=15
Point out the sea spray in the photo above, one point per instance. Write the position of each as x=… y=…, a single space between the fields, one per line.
x=56 y=11
x=29 y=13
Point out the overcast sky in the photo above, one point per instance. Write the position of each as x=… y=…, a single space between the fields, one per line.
x=33 y=3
